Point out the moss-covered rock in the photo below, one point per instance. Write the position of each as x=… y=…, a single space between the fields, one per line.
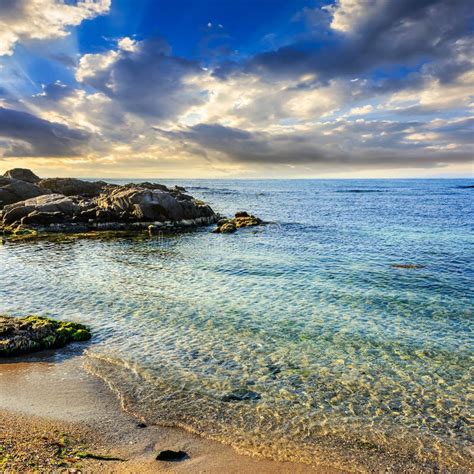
x=241 y=219
x=35 y=333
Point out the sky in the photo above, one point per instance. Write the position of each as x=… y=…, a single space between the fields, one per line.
x=237 y=88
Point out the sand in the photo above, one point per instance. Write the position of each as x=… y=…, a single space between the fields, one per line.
x=54 y=416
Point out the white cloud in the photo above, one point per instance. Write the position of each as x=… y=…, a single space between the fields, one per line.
x=348 y=14
x=363 y=110
x=24 y=20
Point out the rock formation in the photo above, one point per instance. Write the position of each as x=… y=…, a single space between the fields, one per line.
x=73 y=205
x=241 y=219
x=22 y=174
x=34 y=333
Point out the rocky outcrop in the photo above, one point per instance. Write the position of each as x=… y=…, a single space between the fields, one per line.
x=30 y=210
x=138 y=203
x=14 y=190
x=83 y=206
x=34 y=333
x=241 y=219
x=22 y=174
x=73 y=186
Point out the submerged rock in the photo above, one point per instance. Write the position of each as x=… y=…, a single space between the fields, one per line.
x=35 y=333
x=241 y=395
x=407 y=265
x=241 y=219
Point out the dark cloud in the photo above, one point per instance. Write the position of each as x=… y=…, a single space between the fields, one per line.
x=148 y=80
x=28 y=135
x=458 y=131
x=385 y=148
x=403 y=32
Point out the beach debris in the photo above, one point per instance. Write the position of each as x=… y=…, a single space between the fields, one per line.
x=241 y=219
x=35 y=333
x=169 y=455
x=241 y=396
x=99 y=457
x=141 y=425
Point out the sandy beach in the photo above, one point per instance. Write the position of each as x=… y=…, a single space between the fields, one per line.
x=55 y=417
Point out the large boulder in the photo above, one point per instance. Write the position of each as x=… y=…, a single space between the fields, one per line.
x=22 y=174
x=14 y=190
x=73 y=186
x=54 y=205
x=144 y=204
x=34 y=333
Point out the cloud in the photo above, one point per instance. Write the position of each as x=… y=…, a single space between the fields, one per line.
x=370 y=34
x=363 y=110
x=332 y=145
x=144 y=78
x=24 y=134
x=25 y=20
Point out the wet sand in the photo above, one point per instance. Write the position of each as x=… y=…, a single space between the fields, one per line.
x=53 y=414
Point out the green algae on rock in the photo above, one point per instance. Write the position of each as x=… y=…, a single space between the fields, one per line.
x=35 y=333
x=241 y=219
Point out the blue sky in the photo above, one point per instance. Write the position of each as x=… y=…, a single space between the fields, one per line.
x=262 y=88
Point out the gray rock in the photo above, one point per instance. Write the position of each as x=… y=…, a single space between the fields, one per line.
x=73 y=187
x=42 y=218
x=152 y=204
x=80 y=206
x=14 y=190
x=48 y=203
x=22 y=174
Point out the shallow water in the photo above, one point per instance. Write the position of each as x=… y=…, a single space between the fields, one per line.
x=341 y=357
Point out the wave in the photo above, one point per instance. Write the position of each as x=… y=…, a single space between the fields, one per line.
x=253 y=425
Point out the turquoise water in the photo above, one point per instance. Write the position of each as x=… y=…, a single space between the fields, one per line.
x=341 y=358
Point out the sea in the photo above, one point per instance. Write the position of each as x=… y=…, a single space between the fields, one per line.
x=340 y=333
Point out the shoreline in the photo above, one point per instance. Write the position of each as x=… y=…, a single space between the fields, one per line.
x=56 y=416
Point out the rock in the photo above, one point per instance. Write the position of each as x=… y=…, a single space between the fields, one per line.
x=152 y=204
x=73 y=187
x=242 y=395
x=179 y=189
x=42 y=218
x=172 y=456
x=83 y=206
x=241 y=219
x=227 y=228
x=22 y=174
x=247 y=221
x=48 y=203
x=34 y=333
x=407 y=265
x=14 y=190
x=222 y=221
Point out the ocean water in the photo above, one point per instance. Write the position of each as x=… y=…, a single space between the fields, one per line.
x=299 y=340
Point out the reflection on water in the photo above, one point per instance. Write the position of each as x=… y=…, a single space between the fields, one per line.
x=299 y=340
